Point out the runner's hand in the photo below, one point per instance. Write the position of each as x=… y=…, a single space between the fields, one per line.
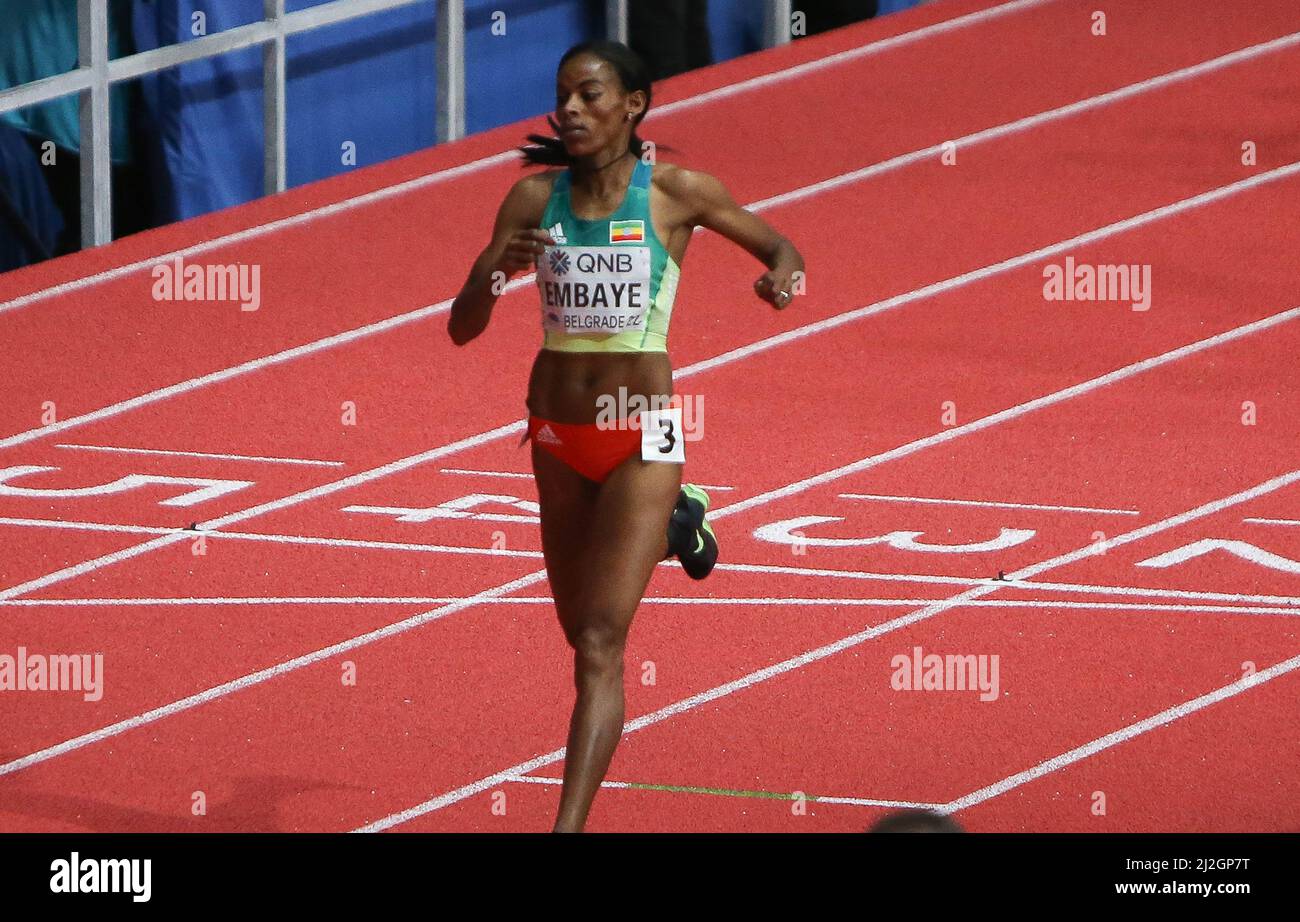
x=776 y=288
x=523 y=249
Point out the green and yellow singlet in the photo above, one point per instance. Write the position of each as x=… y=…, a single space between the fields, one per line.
x=607 y=285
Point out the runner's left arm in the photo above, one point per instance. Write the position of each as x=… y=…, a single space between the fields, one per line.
x=714 y=208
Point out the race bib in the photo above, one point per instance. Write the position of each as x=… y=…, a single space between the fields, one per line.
x=661 y=435
x=594 y=290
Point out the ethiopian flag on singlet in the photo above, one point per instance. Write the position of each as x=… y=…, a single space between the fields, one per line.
x=627 y=231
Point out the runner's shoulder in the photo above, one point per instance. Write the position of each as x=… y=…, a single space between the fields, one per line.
x=528 y=196
x=686 y=186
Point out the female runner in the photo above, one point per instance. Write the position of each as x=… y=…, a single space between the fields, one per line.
x=607 y=235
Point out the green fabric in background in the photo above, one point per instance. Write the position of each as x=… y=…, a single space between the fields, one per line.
x=38 y=39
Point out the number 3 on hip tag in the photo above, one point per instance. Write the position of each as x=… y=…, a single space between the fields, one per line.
x=661 y=435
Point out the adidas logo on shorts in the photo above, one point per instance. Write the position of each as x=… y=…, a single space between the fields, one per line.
x=547 y=434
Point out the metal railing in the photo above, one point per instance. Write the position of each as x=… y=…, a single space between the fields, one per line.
x=96 y=74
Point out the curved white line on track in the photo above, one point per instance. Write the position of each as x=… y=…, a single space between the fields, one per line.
x=812 y=656
x=741 y=505
x=255 y=678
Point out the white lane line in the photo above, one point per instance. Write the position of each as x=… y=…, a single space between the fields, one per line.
x=91 y=526
x=994 y=505
x=357 y=479
x=733 y=356
x=886 y=44
x=1016 y=262
x=994 y=419
x=234 y=371
x=262 y=675
x=791 y=601
x=766 y=569
x=1155 y=721
x=1040 y=118
x=459 y=470
x=1272 y=521
x=721 y=512
x=512 y=156
x=363 y=543
x=1029 y=585
x=237 y=684
x=422 y=313
x=725 y=792
x=812 y=656
x=790 y=336
x=200 y=454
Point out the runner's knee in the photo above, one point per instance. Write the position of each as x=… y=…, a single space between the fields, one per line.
x=598 y=649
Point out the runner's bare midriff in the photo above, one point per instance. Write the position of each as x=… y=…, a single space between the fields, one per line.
x=566 y=386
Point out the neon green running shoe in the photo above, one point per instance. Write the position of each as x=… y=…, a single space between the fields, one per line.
x=690 y=536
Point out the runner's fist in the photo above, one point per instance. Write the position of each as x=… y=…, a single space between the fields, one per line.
x=522 y=250
x=776 y=288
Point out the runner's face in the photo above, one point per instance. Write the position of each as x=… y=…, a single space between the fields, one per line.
x=591 y=106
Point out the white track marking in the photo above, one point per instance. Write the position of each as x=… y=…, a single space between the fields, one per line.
x=364 y=543
x=867 y=802
x=255 y=678
x=225 y=374
x=371 y=544
x=95 y=526
x=1016 y=262
x=767 y=569
x=514 y=428
x=1028 y=585
x=220 y=691
x=1272 y=521
x=458 y=470
x=1040 y=118
x=1004 y=415
x=512 y=156
x=990 y=504
x=201 y=454
x=1110 y=740
x=820 y=653
x=834 y=182
x=745 y=352
x=886 y=44
x=272 y=506
x=724 y=792
x=793 y=602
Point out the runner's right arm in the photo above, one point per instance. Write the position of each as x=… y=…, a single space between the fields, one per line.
x=515 y=245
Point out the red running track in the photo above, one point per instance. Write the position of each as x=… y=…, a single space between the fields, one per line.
x=1130 y=472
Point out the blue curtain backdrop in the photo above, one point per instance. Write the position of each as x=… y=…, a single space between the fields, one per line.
x=370 y=82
